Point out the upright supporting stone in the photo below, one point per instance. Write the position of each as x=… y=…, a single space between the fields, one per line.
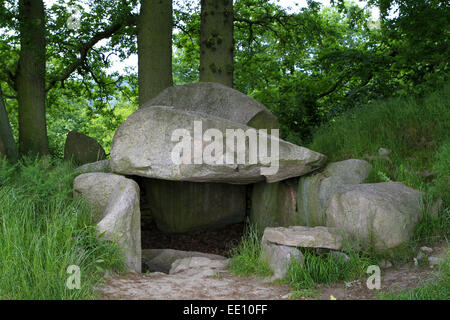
x=274 y=204
x=114 y=201
x=315 y=190
x=179 y=207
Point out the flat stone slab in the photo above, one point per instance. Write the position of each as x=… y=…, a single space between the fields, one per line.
x=305 y=237
x=199 y=265
x=160 y=260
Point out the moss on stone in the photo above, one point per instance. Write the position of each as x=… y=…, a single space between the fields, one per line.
x=179 y=207
x=274 y=204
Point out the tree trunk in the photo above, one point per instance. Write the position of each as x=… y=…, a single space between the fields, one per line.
x=30 y=79
x=216 y=42
x=154 y=48
x=8 y=146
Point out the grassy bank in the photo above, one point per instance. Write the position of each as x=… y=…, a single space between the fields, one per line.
x=417 y=131
x=43 y=231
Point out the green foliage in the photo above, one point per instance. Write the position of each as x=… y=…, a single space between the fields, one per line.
x=312 y=65
x=186 y=53
x=307 y=67
x=6 y=172
x=76 y=70
x=246 y=256
x=433 y=226
x=77 y=114
x=324 y=269
x=43 y=231
x=441 y=167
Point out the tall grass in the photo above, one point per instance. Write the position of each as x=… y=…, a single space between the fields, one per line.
x=246 y=257
x=325 y=269
x=43 y=231
x=414 y=129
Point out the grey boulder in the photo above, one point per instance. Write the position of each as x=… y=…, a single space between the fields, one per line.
x=82 y=149
x=161 y=260
x=199 y=266
x=217 y=100
x=98 y=166
x=279 y=257
x=382 y=215
x=315 y=190
x=115 y=202
x=274 y=204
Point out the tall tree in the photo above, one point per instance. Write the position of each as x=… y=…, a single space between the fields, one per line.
x=154 y=48
x=217 y=42
x=26 y=64
x=8 y=147
x=30 y=78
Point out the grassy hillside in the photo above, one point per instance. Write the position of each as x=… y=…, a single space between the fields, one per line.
x=417 y=131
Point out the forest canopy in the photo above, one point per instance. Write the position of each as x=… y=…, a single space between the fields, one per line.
x=306 y=65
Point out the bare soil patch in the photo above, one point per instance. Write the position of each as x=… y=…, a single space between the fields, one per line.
x=224 y=286
x=217 y=241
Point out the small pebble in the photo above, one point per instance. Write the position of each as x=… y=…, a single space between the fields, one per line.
x=426 y=249
x=420 y=256
x=108 y=274
x=339 y=254
x=384 y=152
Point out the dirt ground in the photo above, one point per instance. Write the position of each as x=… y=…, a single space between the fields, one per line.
x=183 y=287
x=398 y=278
x=224 y=286
x=393 y=279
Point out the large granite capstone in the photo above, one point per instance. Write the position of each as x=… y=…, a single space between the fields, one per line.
x=217 y=100
x=144 y=144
